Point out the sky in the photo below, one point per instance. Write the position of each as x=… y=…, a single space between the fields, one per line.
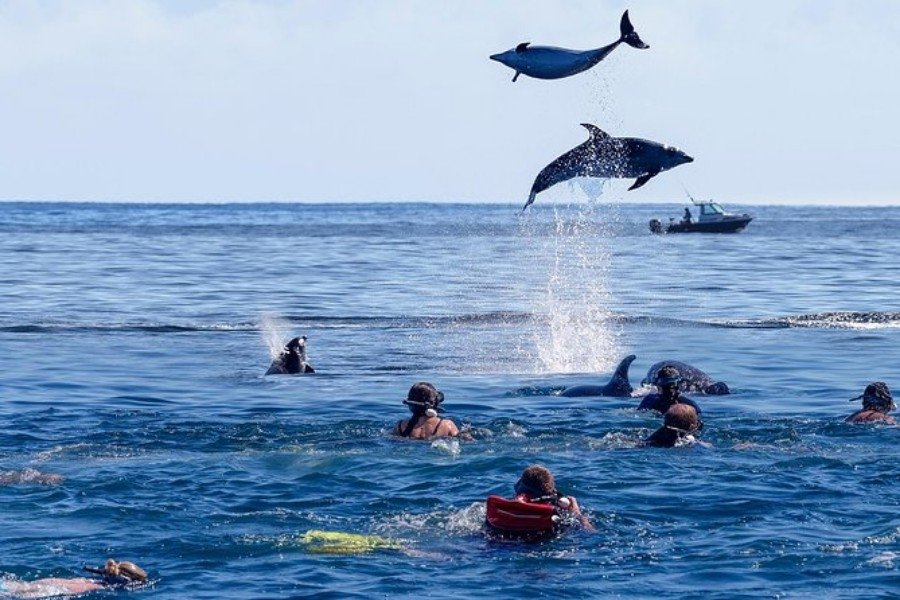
x=778 y=101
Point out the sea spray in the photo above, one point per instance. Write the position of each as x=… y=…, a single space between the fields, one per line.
x=273 y=330
x=575 y=332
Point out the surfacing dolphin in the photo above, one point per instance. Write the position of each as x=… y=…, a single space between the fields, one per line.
x=692 y=379
x=618 y=385
x=606 y=156
x=549 y=62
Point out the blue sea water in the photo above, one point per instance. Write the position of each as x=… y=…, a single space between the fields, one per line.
x=134 y=338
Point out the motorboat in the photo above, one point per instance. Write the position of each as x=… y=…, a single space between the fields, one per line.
x=712 y=218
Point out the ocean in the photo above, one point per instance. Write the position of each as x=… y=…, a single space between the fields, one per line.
x=134 y=339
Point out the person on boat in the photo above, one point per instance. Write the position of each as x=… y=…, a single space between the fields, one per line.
x=680 y=425
x=537 y=486
x=424 y=402
x=667 y=383
x=687 y=215
x=113 y=575
x=292 y=359
x=877 y=403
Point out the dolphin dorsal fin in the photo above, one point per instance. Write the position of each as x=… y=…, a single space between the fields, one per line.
x=596 y=132
x=522 y=47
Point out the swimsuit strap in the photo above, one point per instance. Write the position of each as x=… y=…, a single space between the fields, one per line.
x=436 y=427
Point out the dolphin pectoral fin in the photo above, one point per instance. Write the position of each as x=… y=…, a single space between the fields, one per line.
x=642 y=180
x=523 y=47
x=595 y=132
x=516 y=76
x=629 y=35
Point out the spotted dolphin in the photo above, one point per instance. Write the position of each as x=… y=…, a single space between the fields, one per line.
x=618 y=385
x=606 y=156
x=549 y=62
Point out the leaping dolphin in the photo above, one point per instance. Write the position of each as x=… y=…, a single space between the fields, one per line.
x=606 y=156
x=549 y=62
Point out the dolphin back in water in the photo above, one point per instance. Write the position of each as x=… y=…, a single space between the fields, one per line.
x=605 y=156
x=549 y=62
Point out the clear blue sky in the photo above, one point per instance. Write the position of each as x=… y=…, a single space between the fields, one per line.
x=779 y=101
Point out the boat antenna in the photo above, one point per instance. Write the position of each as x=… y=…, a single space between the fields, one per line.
x=689 y=194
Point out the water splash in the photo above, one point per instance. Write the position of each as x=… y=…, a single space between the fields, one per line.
x=580 y=334
x=273 y=330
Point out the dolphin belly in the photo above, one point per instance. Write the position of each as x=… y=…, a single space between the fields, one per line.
x=545 y=62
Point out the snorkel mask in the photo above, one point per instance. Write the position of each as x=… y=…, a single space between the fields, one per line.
x=424 y=399
x=667 y=378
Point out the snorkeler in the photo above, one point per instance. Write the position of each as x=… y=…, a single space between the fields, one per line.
x=877 y=403
x=538 y=509
x=424 y=401
x=667 y=382
x=112 y=575
x=681 y=424
x=292 y=359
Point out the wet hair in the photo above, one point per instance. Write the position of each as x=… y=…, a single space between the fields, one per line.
x=877 y=397
x=668 y=375
x=536 y=480
x=422 y=397
x=119 y=574
x=683 y=418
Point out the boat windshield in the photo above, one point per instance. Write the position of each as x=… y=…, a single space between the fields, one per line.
x=711 y=208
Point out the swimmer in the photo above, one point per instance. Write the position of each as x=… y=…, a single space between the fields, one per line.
x=681 y=424
x=537 y=485
x=667 y=382
x=877 y=403
x=113 y=575
x=292 y=359
x=424 y=402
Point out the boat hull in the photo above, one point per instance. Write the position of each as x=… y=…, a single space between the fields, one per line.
x=732 y=225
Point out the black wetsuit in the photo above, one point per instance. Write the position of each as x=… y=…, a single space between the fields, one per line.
x=658 y=403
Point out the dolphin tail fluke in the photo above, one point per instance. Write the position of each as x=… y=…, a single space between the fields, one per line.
x=629 y=35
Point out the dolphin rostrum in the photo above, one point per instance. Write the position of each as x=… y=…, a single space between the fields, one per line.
x=549 y=62
x=618 y=384
x=606 y=156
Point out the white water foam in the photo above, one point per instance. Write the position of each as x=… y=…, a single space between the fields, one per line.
x=578 y=335
x=273 y=330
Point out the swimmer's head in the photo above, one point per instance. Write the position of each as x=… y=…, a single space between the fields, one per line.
x=424 y=399
x=682 y=418
x=119 y=573
x=536 y=481
x=667 y=379
x=877 y=397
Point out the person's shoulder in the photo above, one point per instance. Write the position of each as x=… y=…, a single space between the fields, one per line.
x=870 y=416
x=649 y=401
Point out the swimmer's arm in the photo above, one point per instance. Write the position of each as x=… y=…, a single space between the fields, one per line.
x=453 y=431
x=576 y=510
